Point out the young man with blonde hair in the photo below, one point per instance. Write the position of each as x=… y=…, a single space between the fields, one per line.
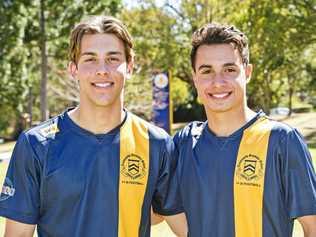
x=94 y=170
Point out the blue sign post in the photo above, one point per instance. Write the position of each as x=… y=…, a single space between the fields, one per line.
x=162 y=108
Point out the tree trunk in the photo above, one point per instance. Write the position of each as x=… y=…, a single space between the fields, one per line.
x=290 y=101
x=291 y=85
x=30 y=106
x=208 y=11
x=43 y=92
x=267 y=94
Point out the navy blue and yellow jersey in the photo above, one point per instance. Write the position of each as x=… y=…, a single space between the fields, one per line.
x=252 y=183
x=70 y=182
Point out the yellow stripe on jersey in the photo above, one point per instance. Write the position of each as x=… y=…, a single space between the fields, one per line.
x=134 y=168
x=249 y=179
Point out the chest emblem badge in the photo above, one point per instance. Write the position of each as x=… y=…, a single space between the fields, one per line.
x=250 y=168
x=133 y=167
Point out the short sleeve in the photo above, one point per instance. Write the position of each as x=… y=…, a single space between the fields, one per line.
x=300 y=185
x=167 y=199
x=19 y=198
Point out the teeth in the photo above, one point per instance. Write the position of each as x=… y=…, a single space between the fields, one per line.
x=103 y=85
x=222 y=95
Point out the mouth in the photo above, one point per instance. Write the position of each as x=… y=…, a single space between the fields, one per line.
x=102 y=85
x=220 y=96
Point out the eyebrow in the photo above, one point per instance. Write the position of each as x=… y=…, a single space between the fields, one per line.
x=94 y=54
x=114 y=53
x=210 y=66
x=88 y=54
x=230 y=64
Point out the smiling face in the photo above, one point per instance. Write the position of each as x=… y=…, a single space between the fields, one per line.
x=220 y=78
x=101 y=70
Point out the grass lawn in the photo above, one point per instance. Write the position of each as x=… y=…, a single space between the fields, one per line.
x=7 y=146
x=157 y=230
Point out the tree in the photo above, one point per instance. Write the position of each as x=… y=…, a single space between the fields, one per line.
x=279 y=32
x=34 y=35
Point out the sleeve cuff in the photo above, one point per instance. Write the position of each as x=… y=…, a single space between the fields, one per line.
x=303 y=212
x=168 y=212
x=20 y=217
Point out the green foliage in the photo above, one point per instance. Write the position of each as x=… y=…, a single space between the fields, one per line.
x=180 y=93
x=280 y=32
x=138 y=95
x=156 y=50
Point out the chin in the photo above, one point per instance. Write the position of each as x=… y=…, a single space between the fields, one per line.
x=218 y=109
x=103 y=100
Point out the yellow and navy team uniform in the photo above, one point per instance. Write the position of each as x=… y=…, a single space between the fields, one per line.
x=253 y=183
x=71 y=182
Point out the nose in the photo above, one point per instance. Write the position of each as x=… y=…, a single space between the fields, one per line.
x=102 y=69
x=218 y=79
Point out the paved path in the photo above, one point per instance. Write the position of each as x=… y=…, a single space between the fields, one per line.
x=6 y=151
x=305 y=122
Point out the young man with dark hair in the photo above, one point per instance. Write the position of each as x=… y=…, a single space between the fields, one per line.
x=240 y=173
x=97 y=169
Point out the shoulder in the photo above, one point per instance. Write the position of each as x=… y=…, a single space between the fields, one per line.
x=191 y=130
x=41 y=135
x=46 y=130
x=154 y=132
x=284 y=135
x=282 y=130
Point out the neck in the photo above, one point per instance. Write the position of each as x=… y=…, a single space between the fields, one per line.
x=98 y=120
x=224 y=124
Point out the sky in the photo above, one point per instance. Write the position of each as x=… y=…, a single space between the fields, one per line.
x=134 y=3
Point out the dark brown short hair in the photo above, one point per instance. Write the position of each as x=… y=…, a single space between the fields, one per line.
x=96 y=25
x=215 y=33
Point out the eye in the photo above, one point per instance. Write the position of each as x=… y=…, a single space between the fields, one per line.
x=113 y=59
x=230 y=70
x=205 y=71
x=89 y=60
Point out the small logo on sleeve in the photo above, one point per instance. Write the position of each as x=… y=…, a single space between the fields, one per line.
x=7 y=190
x=49 y=130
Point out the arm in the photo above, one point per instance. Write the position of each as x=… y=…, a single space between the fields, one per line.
x=167 y=203
x=299 y=181
x=21 y=197
x=309 y=225
x=18 y=229
x=155 y=218
x=178 y=224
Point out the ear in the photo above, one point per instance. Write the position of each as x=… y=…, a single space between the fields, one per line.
x=193 y=74
x=72 y=70
x=248 y=72
x=130 y=67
